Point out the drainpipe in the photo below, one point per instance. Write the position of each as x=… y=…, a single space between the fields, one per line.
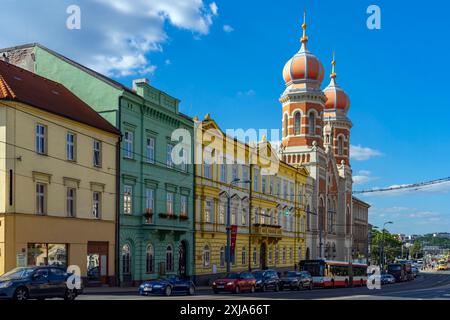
x=118 y=169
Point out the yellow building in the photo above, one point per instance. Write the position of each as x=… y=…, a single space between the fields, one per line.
x=270 y=224
x=57 y=178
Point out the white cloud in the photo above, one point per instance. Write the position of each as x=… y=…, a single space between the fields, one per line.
x=168 y=62
x=249 y=93
x=360 y=153
x=227 y=28
x=363 y=177
x=116 y=37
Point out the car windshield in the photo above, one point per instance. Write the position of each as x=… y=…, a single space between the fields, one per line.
x=395 y=268
x=170 y=278
x=292 y=274
x=258 y=275
x=17 y=273
x=232 y=276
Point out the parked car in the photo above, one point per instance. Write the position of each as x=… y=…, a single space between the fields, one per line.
x=415 y=271
x=167 y=286
x=235 y=283
x=297 y=280
x=387 y=278
x=37 y=283
x=267 y=280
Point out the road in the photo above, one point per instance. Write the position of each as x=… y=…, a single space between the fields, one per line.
x=434 y=285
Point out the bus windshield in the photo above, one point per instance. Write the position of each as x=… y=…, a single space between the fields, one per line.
x=315 y=268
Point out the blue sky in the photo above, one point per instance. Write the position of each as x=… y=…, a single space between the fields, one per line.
x=226 y=58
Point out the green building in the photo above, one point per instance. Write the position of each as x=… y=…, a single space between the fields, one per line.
x=155 y=196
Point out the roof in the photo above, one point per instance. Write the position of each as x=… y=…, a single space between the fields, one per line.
x=355 y=199
x=17 y=84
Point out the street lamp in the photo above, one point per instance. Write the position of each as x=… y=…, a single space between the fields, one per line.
x=382 y=245
x=233 y=183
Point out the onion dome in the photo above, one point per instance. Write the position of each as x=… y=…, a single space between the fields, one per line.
x=303 y=67
x=337 y=99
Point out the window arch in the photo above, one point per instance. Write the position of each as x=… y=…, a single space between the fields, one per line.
x=297 y=123
x=169 y=258
x=341 y=145
x=126 y=259
x=206 y=256
x=285 y=125
x=149 y=259
x=312 y=123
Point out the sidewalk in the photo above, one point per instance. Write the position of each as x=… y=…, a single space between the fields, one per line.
x=122 y=290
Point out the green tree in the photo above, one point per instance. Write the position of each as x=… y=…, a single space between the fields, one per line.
x=392 y=246
x=416 y=249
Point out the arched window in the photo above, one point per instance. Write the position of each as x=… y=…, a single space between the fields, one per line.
x=284 y=255
x=297 y=123
x=126 y=259
x=244 y=256
x=285 y=126
x=341 y=145
x=149 y=259
x=222 y=256
x=169 y=258
x=312 y=124
x=206 y=256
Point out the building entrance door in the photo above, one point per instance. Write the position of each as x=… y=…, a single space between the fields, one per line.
x=97 y=262
x=262 y=256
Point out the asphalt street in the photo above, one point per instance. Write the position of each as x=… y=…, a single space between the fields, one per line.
x=429 y=285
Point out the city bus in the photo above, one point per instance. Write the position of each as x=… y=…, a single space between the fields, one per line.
x=329 y=274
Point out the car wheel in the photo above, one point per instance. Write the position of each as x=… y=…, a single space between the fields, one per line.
x=70 y=295
x=21 y=293
x=168 y=291
x=252 y=290
x=237 y=290
x=191 y=290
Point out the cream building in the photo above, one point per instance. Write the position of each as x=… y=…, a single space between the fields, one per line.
x=58 y=178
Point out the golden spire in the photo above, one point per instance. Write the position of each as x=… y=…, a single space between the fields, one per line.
x=333 y=64
x=304 y=38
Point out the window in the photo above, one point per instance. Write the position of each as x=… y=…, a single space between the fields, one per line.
x=297 y=123
x=70 y=146
x=285 y=189
x=41 y=139
x=127 y=199
x=245 y=175
x=234 y=212
x=263 y=184
x=206 y=256
x=223 y=172
x=149 y=205
x=169 y=160
x=244 y=256
x=97 y=153
x=47 y=254
x=222 y=256
x=129 y=144
x=183 y=206
x=312 y=124
x=284 y=255
x=169 y=258
x=126 y=259
x=184 y=162
x=255 y=181
x=254 y=256
x=169 y=202
x=71 y=201
x=222 y=213
x=270 y=255
x=40 y=198
x=149 y=265
x=96 y=204
x=208 y=210
x=207 y=170
x=341 y=145
x=150 y=150
x=271 y=186
x=235 y=175
x=244 y=217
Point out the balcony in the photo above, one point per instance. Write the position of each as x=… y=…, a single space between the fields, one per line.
x=267 y=230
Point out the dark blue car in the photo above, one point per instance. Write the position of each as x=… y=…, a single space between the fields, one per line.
x=36 y=283
x=167 y=286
